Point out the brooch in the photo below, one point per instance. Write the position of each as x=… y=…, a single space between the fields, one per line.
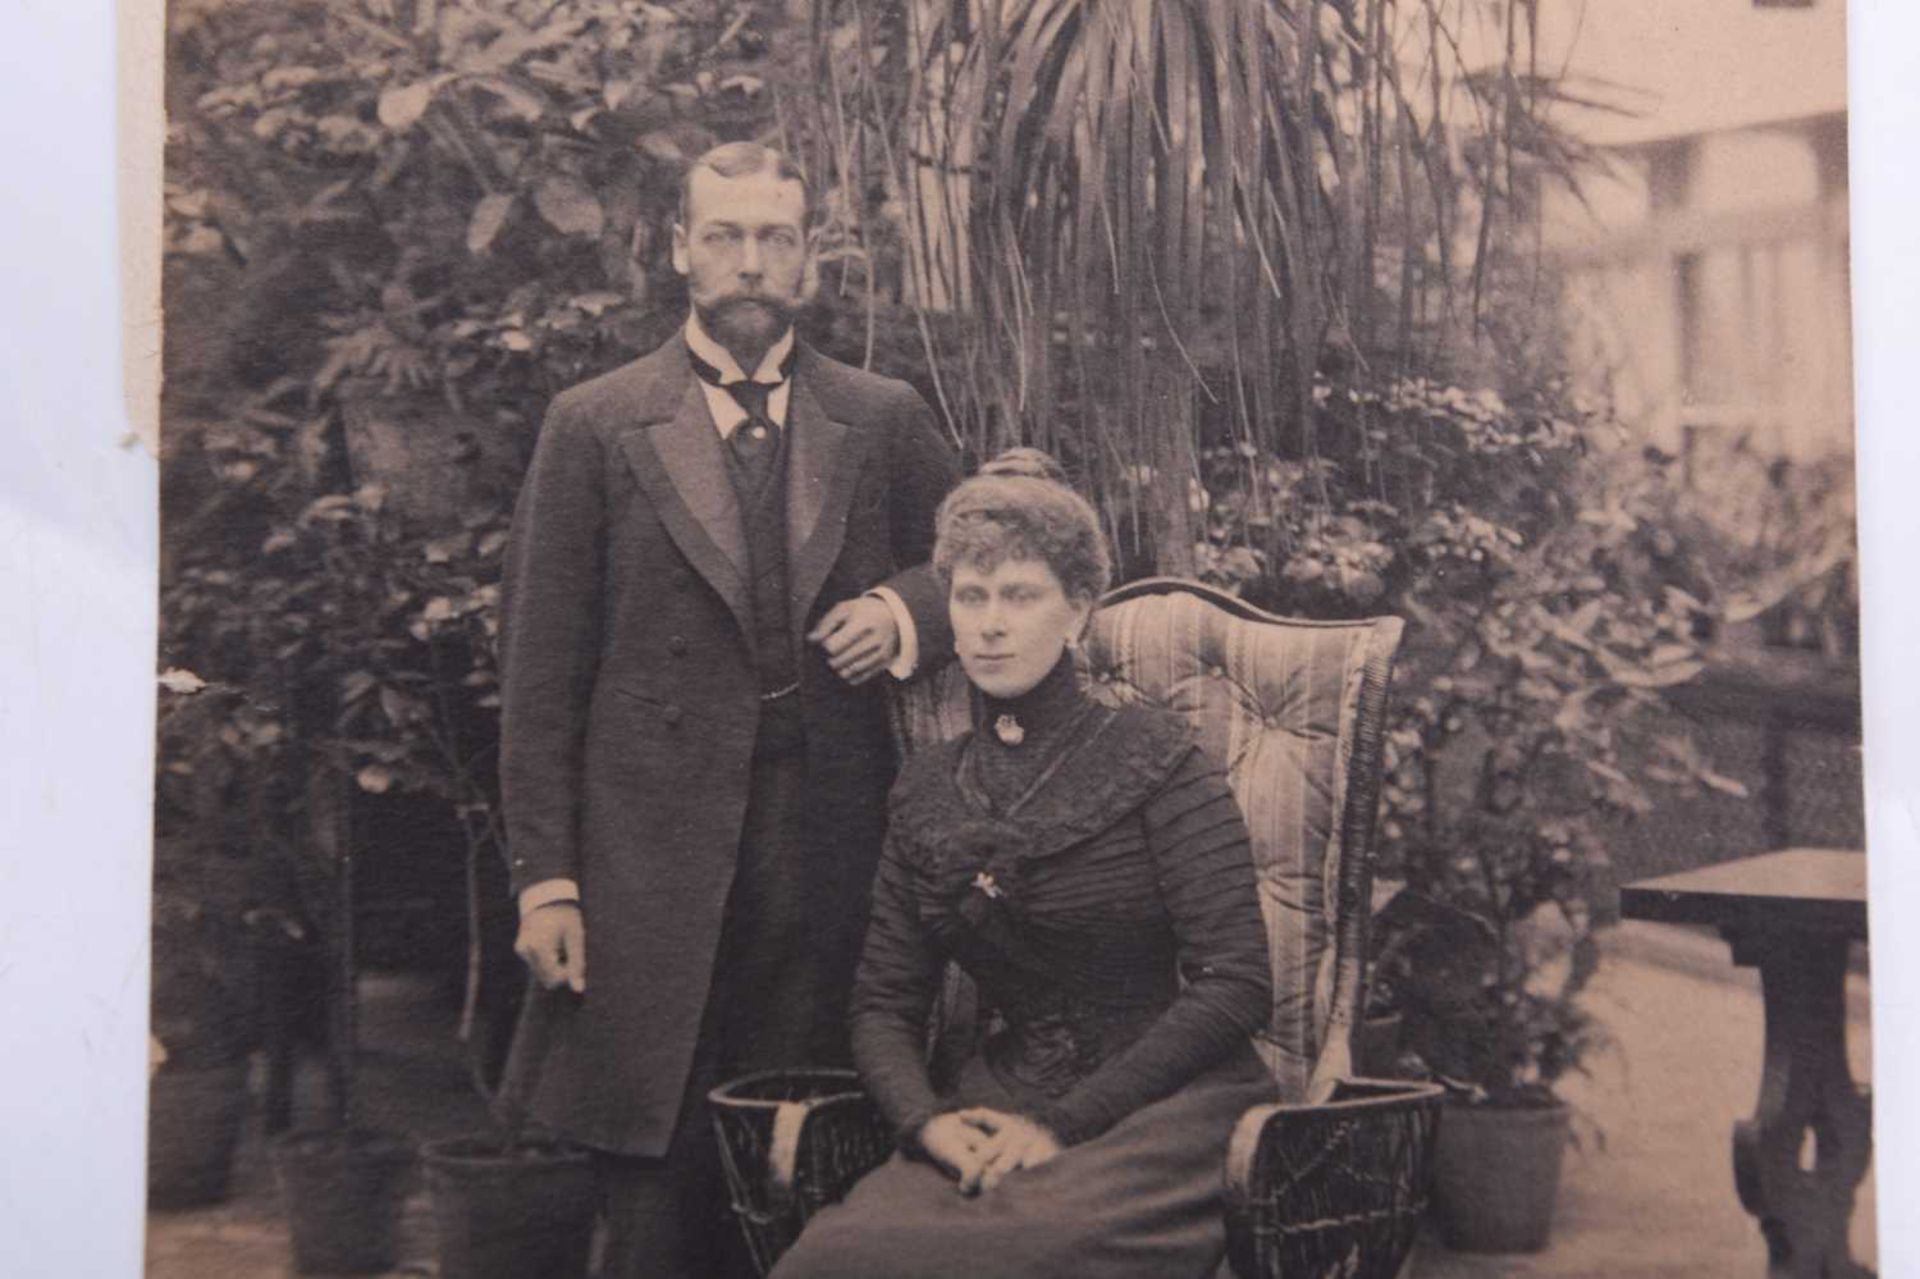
x=1008 y=730
x=984 y=881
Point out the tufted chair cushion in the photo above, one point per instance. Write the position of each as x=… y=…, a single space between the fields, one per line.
x=1293 y=711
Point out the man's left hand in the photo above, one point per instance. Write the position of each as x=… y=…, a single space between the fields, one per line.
x=859 y=637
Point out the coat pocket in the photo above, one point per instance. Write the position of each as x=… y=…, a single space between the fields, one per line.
x=643 y=697
x=653 y=707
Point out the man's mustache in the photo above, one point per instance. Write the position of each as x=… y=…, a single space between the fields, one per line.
x=765 y=300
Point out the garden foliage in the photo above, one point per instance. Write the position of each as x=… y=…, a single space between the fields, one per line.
x=1259 y=272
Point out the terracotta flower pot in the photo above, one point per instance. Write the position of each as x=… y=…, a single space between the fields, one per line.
x=1498 y=1174
x=193 y=1125
x=508 y=1213
x=343 y=1192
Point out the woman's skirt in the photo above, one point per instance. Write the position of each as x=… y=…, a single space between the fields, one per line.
x=1145 y=1199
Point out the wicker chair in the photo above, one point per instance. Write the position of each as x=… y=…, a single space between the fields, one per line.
x=1332 y=1181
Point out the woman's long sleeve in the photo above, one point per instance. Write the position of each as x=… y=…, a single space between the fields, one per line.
x=1204 y=869
x=893 y=993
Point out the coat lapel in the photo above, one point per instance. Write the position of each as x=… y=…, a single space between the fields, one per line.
x=823 y=463
x=680 y=464
x=680 y=461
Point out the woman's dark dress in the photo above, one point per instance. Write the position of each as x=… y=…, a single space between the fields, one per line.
x=1095 y=882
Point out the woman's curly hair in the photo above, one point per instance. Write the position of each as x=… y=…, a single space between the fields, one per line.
x=1019 y=508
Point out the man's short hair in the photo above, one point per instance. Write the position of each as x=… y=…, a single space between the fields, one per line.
x=739 y=160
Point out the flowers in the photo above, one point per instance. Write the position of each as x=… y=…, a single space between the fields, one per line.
x=980 y=867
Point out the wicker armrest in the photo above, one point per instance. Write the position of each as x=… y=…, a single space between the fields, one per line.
x=1336 y=1188
x=792 y=1142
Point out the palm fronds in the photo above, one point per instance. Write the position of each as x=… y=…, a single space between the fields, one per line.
x=1132 y=228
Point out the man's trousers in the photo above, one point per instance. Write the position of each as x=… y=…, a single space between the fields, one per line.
x=669 y=1218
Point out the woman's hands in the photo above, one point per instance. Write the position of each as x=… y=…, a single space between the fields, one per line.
x=979 y=1146
x=955 y=1145
x=1013 y=1142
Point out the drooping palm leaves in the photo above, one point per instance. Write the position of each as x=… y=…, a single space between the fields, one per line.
x=1132 y=227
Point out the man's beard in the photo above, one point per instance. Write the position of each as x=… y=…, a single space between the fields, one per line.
x=749 y=323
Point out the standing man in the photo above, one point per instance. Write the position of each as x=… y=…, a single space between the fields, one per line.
x=718 y=557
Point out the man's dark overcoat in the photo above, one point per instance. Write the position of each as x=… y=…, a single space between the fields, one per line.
x=630 y=696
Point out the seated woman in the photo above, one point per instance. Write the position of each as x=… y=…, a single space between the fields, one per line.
x=1090 y=870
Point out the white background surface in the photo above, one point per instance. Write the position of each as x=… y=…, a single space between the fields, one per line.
x=77 y=622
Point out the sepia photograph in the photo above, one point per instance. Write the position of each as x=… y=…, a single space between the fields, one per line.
x=932 y=639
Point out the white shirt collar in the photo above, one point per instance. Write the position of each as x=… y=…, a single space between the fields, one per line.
x=713 y=353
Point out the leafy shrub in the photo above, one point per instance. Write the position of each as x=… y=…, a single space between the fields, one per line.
x=464 y=200
x=394 y=230
x=1775 y=537
x=339 y=646
x=1527 y=546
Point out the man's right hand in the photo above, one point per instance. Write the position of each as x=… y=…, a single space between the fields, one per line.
x=553 y=942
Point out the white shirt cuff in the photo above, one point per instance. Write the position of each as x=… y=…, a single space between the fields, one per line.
x=908 y=659
x=546 y=893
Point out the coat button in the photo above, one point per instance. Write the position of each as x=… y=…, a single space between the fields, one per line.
x=677 y=646
x=671 y=714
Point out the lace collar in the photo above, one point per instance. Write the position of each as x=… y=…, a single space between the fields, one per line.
x=1111 y=762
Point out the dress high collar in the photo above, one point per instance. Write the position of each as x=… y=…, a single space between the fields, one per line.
x=1039 y=712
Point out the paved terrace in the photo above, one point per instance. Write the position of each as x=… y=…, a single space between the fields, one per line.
x=1649 y=1192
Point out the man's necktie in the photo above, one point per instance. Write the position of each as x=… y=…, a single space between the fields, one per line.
x=756 y=441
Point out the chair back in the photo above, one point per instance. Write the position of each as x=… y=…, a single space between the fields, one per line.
x=1295 y=712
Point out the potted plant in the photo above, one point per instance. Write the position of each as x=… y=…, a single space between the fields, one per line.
x=1489 y=1006
x=1550 y=611
x=515 y=1202
x=511 y=1206
x=264 y=764
x=362 y=638
x=342 y=1184
x=403 y=666
x=204 y=1024
x=199 y=1041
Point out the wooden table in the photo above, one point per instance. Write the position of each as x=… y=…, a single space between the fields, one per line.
x=1798 y=1161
